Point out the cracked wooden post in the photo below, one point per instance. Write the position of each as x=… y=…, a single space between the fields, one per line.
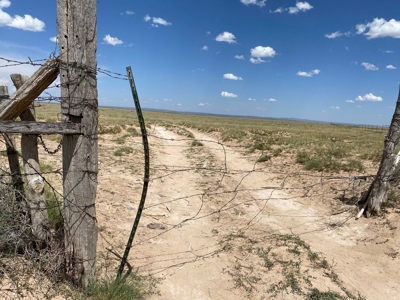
x=77 y=40
x=35 y=184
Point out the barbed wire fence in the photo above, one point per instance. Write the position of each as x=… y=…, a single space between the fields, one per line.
x=221 y=190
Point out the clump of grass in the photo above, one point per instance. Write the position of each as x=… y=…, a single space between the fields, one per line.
x=122 y=151
x=109 y=129
x=302 y=157
x=197 y=144
x=45 y=168
x=56 y=219
x=233 y=134
x=264 y=157
x=121 y=289
x=133 y=131
x=184 y=132
x=277 y=152
x=316 y=294
x=393 y=200
x=259 y=146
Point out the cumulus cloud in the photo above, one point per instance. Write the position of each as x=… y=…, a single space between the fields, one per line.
x=226 y=37
x=369 y=67
x=129 y=12
x=388 y=51
x=112 y=40
x=228 y=95
x=54 y=39
x=204 y=104
x=369 y=97
x=379 y=28
x=391 y=67
x=201 y=104
x=259 y=52
x=252 y=99
x=156 y=21
x=239 y=56
x=335 y=107
x=27 y=22
x=260 y=3
x=205 y=48
x=272 y=100
x=308 y=74
x=350 y=101
x=232 y=77
x=300 y=7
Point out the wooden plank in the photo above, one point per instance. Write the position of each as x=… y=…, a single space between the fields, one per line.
x=34 y=128
x=18 y=102
x=77 y=39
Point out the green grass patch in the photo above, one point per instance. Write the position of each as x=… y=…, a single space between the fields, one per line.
x=197 y=144
x=263 y=158
x=123 y=151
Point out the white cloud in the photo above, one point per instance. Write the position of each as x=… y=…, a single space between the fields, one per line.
x=167 y=100
x=204 y=104
x=205 y=48
x=272 y=100
x=251 y=99
x=278 y=10
x=335 y=107
x=54 y=39
x=350 y=101
x=300 y=6
x=260 y=3
x=388 y=51
x=337 y=34
x=256 y=60
x=239 y=56
x=208 y=33
x=369 y=97
x=27 y=22
x=129 y=12
x=226 y=37
x=178 y=104
x=161 y=21
x=201 y=104
x=308 y=74
x=232 y=77
x=261 y=51
x=391 y=67
x=228 y=95
x=156 y=21
x=369 y=66
x=359 y=106
x=379 y=28
x=112 y=40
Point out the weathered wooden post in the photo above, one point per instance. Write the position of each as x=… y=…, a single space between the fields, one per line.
x=13 y=157
x=77 y=38
x=377 y=192
x=34 y=180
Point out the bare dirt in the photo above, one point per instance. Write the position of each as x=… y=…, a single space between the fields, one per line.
x=218 y=225
x=211 y=202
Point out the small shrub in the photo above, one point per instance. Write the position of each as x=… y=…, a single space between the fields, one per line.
x=109 y=130
x=233 y=134
x=122 y=151
x=197 y=144
x=316 y=294
x=302 y=157
x=133 y=131
x=277 y=152
x=259 y=146
x=264 y=157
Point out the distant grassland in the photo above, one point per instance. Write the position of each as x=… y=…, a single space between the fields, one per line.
x=318 y=146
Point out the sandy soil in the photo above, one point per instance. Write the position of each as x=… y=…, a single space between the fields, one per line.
x=200 y=195
x=212 y=214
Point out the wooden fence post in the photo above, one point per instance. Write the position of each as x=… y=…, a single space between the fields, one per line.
x=13 y=158
x=77 y=38
x=34 y=180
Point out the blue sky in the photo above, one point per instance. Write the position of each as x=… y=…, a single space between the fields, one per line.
x=335 y=61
